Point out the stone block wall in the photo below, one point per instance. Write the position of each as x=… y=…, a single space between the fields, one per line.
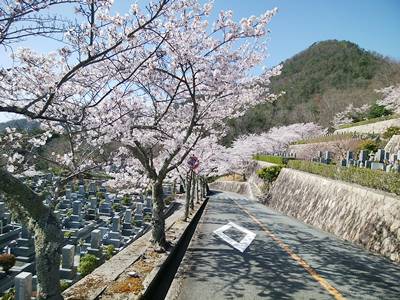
x=378 y=127
x=360 y=215
x=393 y=146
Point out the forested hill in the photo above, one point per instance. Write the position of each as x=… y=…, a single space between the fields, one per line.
x=22 y=124
x=319 y=82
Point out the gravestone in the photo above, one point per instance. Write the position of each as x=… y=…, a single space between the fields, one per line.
x=377 y=166
x=92 y=187
x=76 y=208
x=95 y=239
x=363 y=155
x=81 y=189
x=68 y=253
x=93 y=202
x=116 y=224
x=68 y=271
x=380 y=155
x=68 y=193
x=23 y=286
x=349 y=155
x=128 y=216
x=327 y=157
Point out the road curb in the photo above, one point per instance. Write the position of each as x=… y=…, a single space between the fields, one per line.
x=162 y=282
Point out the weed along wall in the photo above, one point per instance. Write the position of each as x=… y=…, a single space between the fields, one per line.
x=361 y=215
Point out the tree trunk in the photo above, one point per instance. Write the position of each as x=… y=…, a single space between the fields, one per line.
x=198 y=189
x=204 y=188
x=187 y=202
x=174 y=188
x=193 y=193
x=47 y=228
x=48 y=243
x=158 y=219
x=201 y=188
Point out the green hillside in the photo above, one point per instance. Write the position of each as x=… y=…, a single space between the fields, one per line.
x=319 y=82
x=21 y=124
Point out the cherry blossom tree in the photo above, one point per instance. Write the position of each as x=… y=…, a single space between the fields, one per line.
x=240 y=155
x=23 y=19
x=391 y=98
x=200 y=76
x=60 y=89
x=350 y=115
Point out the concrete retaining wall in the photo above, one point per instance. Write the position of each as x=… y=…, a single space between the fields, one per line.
x=242 y=188
x=378 y=127
x=252 y=188
x=364 y=216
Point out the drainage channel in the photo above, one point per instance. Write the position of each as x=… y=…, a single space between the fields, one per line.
x=159 y=287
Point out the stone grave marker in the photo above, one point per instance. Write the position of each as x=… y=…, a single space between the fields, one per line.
x=23 y=286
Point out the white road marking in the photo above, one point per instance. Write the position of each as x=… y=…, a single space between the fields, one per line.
x=243 y=244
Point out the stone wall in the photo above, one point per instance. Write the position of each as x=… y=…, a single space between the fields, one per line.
x=360 y=215
x=393 y=146
x=378 y=127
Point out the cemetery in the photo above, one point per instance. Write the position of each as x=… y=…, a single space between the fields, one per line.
x=94 y=222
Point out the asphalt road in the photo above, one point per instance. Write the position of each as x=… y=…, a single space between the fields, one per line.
x=286 y=260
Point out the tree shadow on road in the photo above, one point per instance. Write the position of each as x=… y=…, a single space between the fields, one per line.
x=264 y=270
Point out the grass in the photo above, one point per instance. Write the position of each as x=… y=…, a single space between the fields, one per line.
x=370 y=121
x=388 y=182
x=278 y=160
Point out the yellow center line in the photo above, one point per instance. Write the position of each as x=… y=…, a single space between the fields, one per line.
x=322 y=281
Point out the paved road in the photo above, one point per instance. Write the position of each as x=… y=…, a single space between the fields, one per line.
x=286 y=260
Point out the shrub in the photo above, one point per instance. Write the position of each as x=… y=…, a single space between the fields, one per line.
x=64 y=285
x=269 y=174
x=388 y=182
x=168 y=200
x=369 y=145
x=7 y=261
x=377 y=111
x=116 y=207
x=10 y=295
x=136 y=223
x=87 y=264
x=126 y=200
x=109 y=251
x=147 y=218
x=67 y=234
x=100 y=195
x=391 y=131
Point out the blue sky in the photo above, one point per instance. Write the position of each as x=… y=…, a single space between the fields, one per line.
x=372 y=24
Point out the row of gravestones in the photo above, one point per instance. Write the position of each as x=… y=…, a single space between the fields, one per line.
x=381 y=160
x=282 y=154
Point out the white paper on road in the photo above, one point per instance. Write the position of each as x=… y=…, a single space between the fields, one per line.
x=243 y=244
